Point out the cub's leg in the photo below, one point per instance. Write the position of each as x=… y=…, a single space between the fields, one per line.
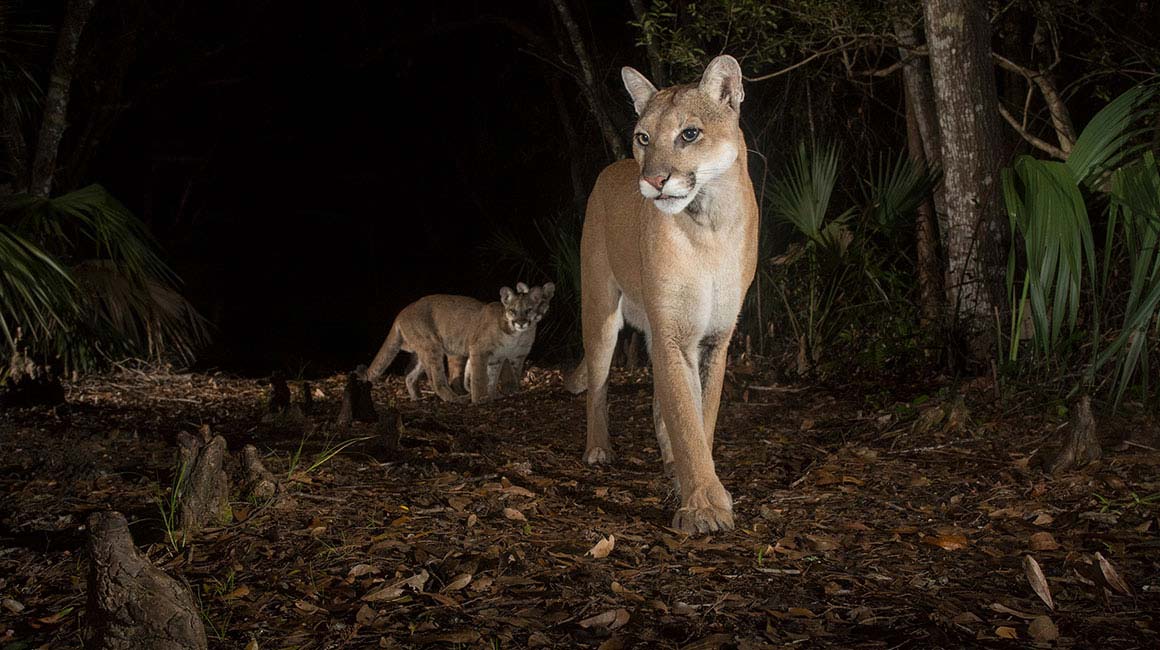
x=480 y=376
x=413 y=376
x=512 y=376
x=494 y=370
x=602 y=320
x=705 y=505
x=456 y=366
x=432 y=360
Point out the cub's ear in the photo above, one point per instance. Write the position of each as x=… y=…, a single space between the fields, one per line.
x=506 y=295
x=722 y=81
x=549 y=290
x=521 y=287
x=638 y=86
x=536 y=294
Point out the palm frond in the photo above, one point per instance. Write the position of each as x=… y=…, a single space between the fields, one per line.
x=150 y=319
x=90 y=224
x=897 y=188
x=802 y=195
x=36 y=293
x=1135 y=206
x=1046 y=209
x=118 y=297
x=1112 y=135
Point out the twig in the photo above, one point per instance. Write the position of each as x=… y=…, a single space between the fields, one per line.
x=1035 y=141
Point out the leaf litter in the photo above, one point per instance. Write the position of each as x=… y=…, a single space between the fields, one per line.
x=483 y=527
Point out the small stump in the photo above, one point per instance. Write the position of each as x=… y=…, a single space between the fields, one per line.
x=1082 y=445
x=260 y=482
x=279 y=401
x=204 y=487
x=133 y=605
x=357 y=403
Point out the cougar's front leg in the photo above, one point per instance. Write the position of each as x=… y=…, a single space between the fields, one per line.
x=705 y=505
x=456 y=366
x=714 y=354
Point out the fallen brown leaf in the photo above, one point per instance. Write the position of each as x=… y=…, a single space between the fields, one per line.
x=1043 y=542
x=1038 y=581
x=947 y=542
x=1004 y=632
x=1112 y=579
x=1042 y=628
x=514 y=515
x=240 y=592
x=458 y=582
x=603 y=547
x=611 y=619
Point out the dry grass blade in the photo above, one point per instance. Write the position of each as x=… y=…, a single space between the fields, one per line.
x=1038 y=581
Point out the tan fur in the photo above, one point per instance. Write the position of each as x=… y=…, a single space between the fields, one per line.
x=458 y=327
x=675 y=268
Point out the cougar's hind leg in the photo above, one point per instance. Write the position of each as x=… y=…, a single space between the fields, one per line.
x=432 y=362
x=602 y=321
x=413 y=377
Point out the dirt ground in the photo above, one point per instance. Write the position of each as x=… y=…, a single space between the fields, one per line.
x=911 y=516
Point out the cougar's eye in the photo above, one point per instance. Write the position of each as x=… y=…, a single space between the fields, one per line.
x=642 y=139
x=690 y=134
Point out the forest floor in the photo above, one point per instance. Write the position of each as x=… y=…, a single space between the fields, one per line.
x=904 y=516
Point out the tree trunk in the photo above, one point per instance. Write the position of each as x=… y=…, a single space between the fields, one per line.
x=56 y=99
x=133 y=605
x=588 y=81
x=919 y=91
x=655 y=64
x=923 y=144
x=958 y=35
x=930 y=289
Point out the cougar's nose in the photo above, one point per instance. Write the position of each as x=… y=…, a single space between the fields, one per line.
x=656 y=181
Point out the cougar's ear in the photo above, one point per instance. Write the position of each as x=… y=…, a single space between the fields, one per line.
x=536 y=294
x=638 y=86
x=506 y=295
x=549 y=290
x=722 y=81
x=521 y=287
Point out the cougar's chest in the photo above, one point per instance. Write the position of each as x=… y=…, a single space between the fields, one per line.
x=696 y=276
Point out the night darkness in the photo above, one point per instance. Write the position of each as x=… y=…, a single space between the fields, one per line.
x=310 y=168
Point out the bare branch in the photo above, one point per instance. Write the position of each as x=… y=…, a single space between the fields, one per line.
x=1060 y=116
x=1038 y=143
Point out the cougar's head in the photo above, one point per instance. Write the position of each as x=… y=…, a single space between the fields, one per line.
x=546 y=293
x=525 y=307
x=685 y=136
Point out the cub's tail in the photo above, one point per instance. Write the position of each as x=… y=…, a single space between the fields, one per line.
x=386 y=354
x=576 y=380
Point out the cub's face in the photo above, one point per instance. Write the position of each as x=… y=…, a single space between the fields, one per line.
x=686 y=136
x=546 y=293
x=525 y=307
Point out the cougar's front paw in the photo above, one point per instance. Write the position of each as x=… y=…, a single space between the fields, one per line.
x=707 y=510
x=598 y=456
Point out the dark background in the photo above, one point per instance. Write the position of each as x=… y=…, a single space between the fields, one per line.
x=310 y=168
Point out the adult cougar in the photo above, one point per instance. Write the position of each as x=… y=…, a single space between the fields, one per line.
x=458 y=326
x=670 y=246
